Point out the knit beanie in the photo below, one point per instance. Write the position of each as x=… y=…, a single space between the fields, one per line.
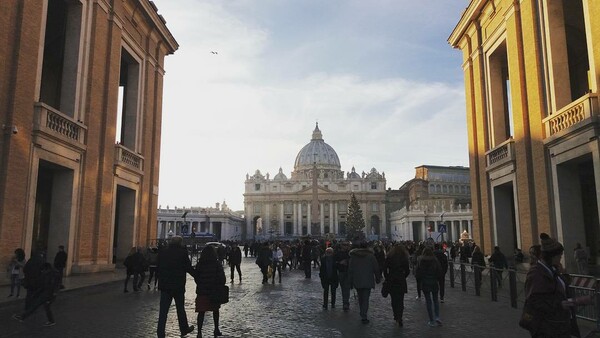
x=549 y=244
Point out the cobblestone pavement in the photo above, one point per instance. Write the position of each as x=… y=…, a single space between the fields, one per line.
x=290 y=309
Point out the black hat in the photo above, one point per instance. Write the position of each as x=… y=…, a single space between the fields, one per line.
x=549 y=244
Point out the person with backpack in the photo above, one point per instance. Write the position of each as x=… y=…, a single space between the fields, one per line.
x=45 y=295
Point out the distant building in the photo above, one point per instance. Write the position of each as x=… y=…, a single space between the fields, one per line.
x=314 y=201
x=437 y=195
x=219 y=221
x=80 y=112
x=532 y=78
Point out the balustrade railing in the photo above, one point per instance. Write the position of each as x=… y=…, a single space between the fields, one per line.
x=57 y=124
x=577 y=111
x=128 y=157
x=501 y=154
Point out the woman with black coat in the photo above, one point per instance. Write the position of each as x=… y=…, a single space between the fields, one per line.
x=395 y=271
x=208 y=275
x=429 y=272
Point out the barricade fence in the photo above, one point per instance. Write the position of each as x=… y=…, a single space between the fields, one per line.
x=508 y=285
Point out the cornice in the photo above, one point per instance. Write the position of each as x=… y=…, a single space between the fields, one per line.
x=470 y=14
x=160 y=23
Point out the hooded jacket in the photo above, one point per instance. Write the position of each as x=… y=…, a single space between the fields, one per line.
x=363 y=269
x=428 y=273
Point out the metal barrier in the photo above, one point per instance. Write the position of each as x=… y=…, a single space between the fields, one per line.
x=491 y=281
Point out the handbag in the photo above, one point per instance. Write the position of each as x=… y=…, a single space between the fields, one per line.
x=385 y=288
x=528 y=320
x=221 y=295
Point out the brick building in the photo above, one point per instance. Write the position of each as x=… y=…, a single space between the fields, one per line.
x=80 y=109
x=532 y=71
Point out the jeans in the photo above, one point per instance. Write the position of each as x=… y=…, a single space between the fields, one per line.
x=442 y=283
x=345 y=286
x=15 y=282
x=431 y=296
x=153 y=272
x=166 y=297
x=233 y=267
x=326 y=294
x=363 y=301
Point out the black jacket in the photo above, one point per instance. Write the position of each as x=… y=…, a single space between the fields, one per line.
x=173 y=264
x=235 y=257
x=208 y=275
x=429 y=272
x=60 y=260
x=332 y=277
x=395 y=271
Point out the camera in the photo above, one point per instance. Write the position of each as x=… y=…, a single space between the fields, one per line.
x=15 y=129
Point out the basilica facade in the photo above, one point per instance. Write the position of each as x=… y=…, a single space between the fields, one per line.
x=314 y=200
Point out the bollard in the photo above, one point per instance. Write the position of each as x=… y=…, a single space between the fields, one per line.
x=463 y=276
x=451 y=266
x=494 y=285
x=512 y=279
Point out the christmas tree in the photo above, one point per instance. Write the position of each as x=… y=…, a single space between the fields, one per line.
x=355 y=222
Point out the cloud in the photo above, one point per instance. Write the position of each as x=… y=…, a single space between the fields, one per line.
x=254 y=104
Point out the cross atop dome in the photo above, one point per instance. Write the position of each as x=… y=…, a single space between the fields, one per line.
x=317 y=133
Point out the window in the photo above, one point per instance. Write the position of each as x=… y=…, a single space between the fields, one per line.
x=289 y=208
x=257 y=187
x=375 y=207
x=58 y=87
x=127 y=110
x=257 y=208
x=500 y=107
x=355 y=187
x=373 y=185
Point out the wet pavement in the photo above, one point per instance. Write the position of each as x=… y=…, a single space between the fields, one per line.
x=290 y=309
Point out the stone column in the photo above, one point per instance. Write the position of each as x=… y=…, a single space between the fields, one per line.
x=267 y=220
x=210 y=227
x=300 y=218
x=335 y=218
x=322 y=218
x=332 y=227
x=295 y=218
x=308 y=220
x=281 y=219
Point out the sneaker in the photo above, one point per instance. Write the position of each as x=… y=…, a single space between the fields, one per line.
x=125 y=291
x=17 y=317
x=441 y=300
x=365 y=321
x=431 y=323
x=188 y=330
x=49 y=323
x=438 y=321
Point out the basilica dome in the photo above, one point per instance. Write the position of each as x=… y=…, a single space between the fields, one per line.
x=317 y=152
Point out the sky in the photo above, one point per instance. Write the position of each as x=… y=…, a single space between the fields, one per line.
x=252 y=77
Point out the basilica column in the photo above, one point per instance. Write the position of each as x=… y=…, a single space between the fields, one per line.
x=308 y=219
x=300 y=218
x=335 y=218
x=267 y=219
x=295 y=218
x=332 y=227
x=281 y=219
x=322 y=219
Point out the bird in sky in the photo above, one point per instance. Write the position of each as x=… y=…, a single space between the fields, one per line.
x=213 y=52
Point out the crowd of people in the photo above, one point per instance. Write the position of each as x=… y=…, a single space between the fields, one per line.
x=549 y=309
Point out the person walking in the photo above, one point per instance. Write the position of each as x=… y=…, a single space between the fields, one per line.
x=235 y=260
x=32 y=275
x=329 y=277
x=306 y=258
x=129 y=264
x=263 y=260
x=342 y=260
x=499 y=263
x=60 y=262
x=550 y=312
x=173 y=265
x=581 y=258
x=49 y=284
x=440 y=255
x=15 y=270
x=152 y=261
x=395 y=270
x=277 y=260
x=478 y=261
x=429 y=272
x=363 y=271
x=208 y=274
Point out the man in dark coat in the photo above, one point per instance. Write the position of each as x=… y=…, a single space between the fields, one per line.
x=45 y=294
x=263 y=260
x=235 y=259
x=306 y=258
x=33 y=271
x=342 y=259
x=499 y=262
x=60 y=262
x=329 y=277
x=173 y=265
